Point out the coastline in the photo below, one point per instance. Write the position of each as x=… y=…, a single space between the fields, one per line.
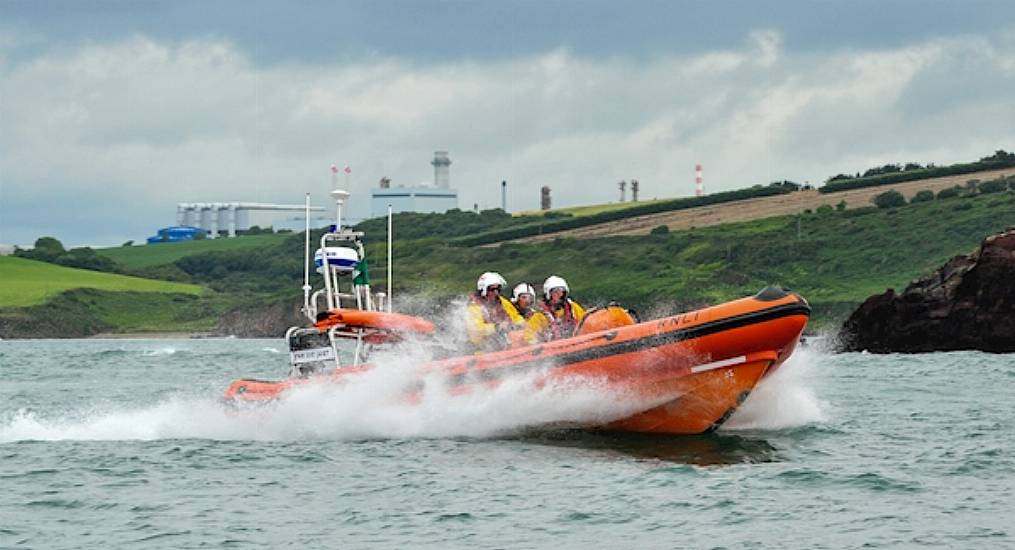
x=156 y=336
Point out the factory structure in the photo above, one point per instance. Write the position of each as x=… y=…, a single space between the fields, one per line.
x=699 y=182
x=226 y=218
x=217 y=219
x=211 y=220
x=435 y=197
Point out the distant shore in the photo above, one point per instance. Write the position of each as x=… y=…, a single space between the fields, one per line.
x=155 y=335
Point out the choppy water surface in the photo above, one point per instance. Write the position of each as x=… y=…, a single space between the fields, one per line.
x=119 y=444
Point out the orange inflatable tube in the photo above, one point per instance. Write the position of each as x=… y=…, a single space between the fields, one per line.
x=380 y=320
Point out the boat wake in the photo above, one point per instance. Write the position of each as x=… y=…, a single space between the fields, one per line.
x=373 y=406
x=167 y=350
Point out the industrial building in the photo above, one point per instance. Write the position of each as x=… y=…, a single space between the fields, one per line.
x=226 y=218
x=177 y=234
x=435 y=197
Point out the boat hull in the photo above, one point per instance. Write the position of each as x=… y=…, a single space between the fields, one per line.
x=686 y=374
x=704 y=401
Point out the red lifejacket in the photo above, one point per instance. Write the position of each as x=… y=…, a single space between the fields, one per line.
x=493 y=312
x=563 y=326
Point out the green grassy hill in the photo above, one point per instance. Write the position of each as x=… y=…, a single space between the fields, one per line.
x=39 y=299
x=836 y=259
x=27 y=282
x=148 y=255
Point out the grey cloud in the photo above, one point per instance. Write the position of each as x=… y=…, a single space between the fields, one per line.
x=143 y=123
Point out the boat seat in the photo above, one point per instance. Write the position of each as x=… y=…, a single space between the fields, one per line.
x=611 y=316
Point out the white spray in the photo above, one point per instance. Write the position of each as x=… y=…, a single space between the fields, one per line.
x=787 y=399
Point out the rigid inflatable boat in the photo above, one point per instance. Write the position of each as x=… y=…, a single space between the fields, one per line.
x=687 y=373
x=690 y=370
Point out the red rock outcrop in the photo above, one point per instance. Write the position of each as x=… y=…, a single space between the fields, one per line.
x=967 y=304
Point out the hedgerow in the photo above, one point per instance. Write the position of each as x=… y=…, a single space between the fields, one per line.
x=554 y=225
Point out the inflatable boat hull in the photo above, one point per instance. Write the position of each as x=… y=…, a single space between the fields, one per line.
x=688 y=372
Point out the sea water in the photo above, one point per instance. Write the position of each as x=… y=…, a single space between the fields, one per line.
x=125 y=444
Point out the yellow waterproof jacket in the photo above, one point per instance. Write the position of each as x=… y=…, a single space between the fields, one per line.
x=481 y=322
x=532 y=310
x=551 y=325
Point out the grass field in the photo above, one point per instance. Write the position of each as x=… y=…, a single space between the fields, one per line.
x=148 y=255
x=135 y=312
x=590 y=209
x=27 y=282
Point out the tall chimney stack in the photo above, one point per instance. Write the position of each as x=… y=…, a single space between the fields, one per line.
x=441 y=170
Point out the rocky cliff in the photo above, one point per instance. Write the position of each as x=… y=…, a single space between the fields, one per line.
x=266 y=321
x=966 y=304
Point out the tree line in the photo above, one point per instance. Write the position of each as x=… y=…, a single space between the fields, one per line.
x=51 y=250
x=895 y=173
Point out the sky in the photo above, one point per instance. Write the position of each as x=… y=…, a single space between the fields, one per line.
x=112 y=112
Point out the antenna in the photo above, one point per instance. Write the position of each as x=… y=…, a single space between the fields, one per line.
x=306 y=260
x=389 y=259
x=699 y=186
x=339 y=195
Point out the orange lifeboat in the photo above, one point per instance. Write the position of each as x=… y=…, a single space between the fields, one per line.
x=690 y=371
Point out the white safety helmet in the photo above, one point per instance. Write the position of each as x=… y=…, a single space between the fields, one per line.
x=489 y=279
x=553 y=282
x=523 y=288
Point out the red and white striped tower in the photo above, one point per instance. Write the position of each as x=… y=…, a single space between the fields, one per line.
x=699 y=186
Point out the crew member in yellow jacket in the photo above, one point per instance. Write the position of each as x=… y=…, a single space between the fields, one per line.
x=560 y=314
x=490 y=316
x=523 y=298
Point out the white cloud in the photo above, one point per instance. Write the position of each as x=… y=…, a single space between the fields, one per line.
x=768 y=44
x=143 y=124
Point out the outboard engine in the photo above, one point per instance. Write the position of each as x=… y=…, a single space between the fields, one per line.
x=310 y=352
